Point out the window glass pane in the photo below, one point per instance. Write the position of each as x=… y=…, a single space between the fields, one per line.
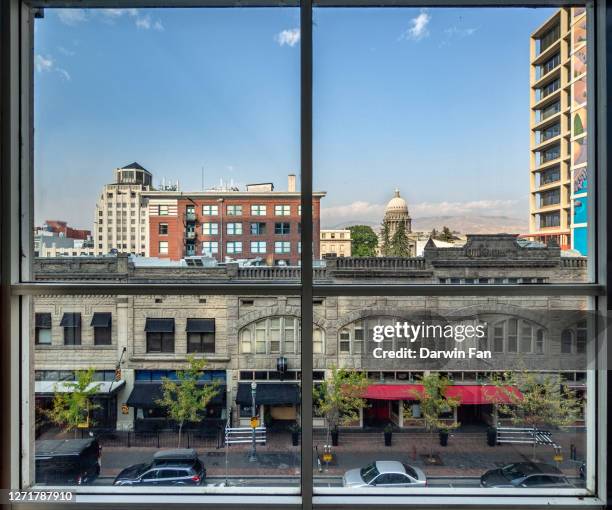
x=224 y=83
x=130 y=403
x=427 y=384
x=431 y=224
x=94 y=203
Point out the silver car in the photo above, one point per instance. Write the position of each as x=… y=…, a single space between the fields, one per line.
x=385 y=473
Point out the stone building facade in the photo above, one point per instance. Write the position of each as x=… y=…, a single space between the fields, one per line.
x=248 y=338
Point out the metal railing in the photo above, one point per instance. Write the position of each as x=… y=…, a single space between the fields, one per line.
x=525 y=435
x=244 y=435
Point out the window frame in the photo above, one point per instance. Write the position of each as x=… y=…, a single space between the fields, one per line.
x=16 y=150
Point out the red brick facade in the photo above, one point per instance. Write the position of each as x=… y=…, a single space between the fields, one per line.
x=229 y=224
x=173 y=237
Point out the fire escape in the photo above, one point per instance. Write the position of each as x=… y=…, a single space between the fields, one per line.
x=190 y=230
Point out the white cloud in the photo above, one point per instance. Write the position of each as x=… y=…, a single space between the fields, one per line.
x=117 y=13
x=72 y=16
x=288 y=37
x=418 y=27
x=66 y=51
x=146 y=23
x=373 y=213
x=63 y=73
x=460 y=33
x=47 y=64
x=43 y=63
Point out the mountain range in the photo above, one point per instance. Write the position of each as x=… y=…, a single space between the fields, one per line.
x=464 y=224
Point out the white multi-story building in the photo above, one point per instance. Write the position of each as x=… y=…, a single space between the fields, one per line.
x=121 y=213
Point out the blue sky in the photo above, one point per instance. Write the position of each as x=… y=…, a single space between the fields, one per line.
x=435 y=102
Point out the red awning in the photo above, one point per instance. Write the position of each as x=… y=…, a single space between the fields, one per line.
x=393 y=391
x=482 y=394
x=475 y=394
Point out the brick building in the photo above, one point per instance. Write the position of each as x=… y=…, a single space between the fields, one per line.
x=227 y=223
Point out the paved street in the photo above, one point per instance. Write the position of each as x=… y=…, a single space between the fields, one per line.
x=461 y=463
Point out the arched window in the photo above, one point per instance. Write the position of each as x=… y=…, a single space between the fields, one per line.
x=277 y=335
x=567 y=341
x=517 y=336
x=574 y=340
x=352 y=337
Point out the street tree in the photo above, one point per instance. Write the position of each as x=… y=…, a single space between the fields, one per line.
x=542 y=400
x=339 y=398
x=184 y=399
x=434 y=404
x=73 y=403
x=364 y=241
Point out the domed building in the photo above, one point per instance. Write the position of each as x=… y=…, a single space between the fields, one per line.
x=396 y=213
x=396 y=216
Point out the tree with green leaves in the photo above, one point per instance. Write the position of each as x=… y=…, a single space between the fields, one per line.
x=399 y=246
x=385 y=239
x=72 y=406
x=542 y=400
x=340 y=397
x=184 y=399
x=434 y=403
x=446 y=234
x=364 y=241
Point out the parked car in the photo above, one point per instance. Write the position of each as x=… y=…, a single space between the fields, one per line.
x=385 y=473
x=67 y=461
x=532 y=475
x=180 y=466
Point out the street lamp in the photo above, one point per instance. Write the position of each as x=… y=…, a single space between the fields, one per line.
x=253 y=455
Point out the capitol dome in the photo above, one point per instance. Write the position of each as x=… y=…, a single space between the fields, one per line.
x=397 y=204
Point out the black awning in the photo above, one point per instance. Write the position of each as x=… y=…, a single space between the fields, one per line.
x=145 y=394
x=101 y=320
x=269 y=393
x=200 y=326
x=43 y=320
x=71 y=320
x=160 y=325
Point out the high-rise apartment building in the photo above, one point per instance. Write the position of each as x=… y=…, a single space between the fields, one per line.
x=121 y=214
x=558 y=165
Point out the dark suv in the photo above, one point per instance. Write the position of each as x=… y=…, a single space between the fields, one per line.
x=531 y=475
x=67 y=461
x=168 y=467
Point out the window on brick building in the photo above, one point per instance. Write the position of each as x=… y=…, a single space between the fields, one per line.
x=101 y=322
x=71 y=322
x=258 y=229
x=282 y=210
x=42 y=324
x=210 y=229
x=210 y=247
x=258 y=210
x=201 y=335
x=234 y=228
x=160 y=335
x=210 y=210
x=282 y=228
x=234 y=247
